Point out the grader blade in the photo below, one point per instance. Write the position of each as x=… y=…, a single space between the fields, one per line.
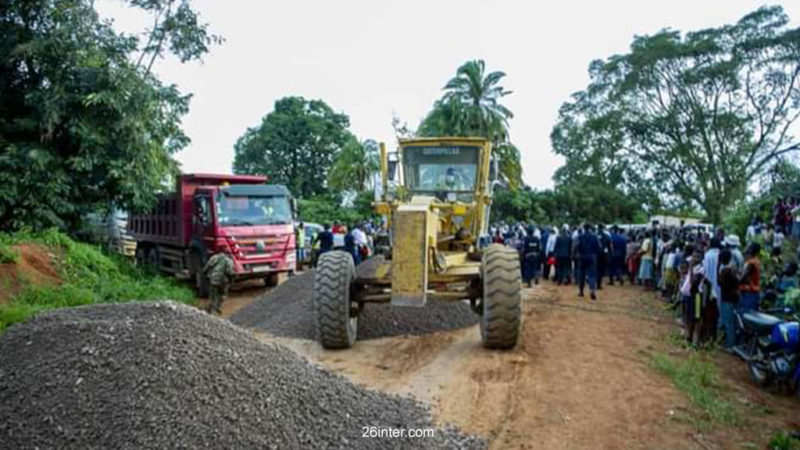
x=410 y=255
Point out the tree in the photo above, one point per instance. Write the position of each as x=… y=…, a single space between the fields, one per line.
x=354 y=166
x=699 y=116
x=296 y=144
x=175 y=26
x=471 y=106
x=327 y=208
x=573 y=204
x=81 y=124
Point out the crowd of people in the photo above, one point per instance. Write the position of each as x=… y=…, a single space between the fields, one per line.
x=358 y=240
x=706 y=275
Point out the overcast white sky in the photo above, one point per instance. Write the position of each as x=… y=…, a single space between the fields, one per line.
x=371 y=59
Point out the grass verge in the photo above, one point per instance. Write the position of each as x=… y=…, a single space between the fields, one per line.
x=699 y=380
x=88 y=276
x=784 y=441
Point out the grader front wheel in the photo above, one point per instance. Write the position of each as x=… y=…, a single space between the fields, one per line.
x=333 y=279
x=501 y=309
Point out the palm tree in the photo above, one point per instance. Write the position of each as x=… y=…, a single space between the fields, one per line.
x=354 y=166
x=471 y=106
x=478 y=94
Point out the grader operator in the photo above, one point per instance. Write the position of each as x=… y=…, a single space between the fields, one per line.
x=437 y=208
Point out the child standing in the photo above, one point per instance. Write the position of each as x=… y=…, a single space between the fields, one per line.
x=692 y=276
x=729 y=289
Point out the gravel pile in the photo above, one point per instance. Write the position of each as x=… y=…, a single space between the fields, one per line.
x=288 y=311
x=164 y=375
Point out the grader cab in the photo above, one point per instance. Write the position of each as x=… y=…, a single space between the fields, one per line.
x=437 y=208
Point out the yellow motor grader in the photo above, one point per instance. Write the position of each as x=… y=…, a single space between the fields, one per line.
x=436 y=209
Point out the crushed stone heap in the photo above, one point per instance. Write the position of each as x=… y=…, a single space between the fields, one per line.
x=164 y=375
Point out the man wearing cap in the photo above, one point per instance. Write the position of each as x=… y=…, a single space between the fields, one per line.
x=733 y=244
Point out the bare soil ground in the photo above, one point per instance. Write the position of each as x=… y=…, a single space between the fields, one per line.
x=35 y=265
x=580 y=378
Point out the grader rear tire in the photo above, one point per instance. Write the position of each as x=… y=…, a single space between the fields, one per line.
x=333 y=279
x=500 y=318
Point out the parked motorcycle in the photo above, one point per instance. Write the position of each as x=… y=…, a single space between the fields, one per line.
x=771 y=348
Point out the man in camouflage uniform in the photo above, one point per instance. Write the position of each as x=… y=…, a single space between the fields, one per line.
x=219 y=270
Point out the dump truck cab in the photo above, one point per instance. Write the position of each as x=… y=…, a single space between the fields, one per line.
x=435 y=198
x=209 y=213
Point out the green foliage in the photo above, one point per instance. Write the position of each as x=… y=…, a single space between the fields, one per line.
x=783 y=441
x=88 y=276
x=699 y=380
x=81 y=123
x=699 y=116
x=572 y=204
x=296 y=145
x=782 y=180
x=471 y=106
x=792 y=299
x=354 y=166
x=739 y=217
x=327 y=209
x=8 y=255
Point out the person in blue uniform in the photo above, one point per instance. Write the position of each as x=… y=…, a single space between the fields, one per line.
x=351 y=247
x=562 y=252
x=531 y=255
x=587 y=252
x=325 y=239
x=619 y=244
x=604 y=257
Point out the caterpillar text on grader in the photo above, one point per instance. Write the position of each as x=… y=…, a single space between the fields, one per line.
x=437 y=209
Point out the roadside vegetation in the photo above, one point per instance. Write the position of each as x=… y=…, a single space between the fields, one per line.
x=784 y=441
x=85 y=275
x=699 y=379
x=716 y=402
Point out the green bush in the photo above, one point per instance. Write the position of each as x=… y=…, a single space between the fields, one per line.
x=88 y=276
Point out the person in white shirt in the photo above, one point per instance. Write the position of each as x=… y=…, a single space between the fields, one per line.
x=360 y=238
x=777 y=239
x=732 y=243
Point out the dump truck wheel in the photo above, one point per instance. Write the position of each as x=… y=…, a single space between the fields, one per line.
x=333 y=279
x=500 y=318
x=140 y=256
x=272 y=279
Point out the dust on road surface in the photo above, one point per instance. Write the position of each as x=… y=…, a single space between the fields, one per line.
x=579 y=377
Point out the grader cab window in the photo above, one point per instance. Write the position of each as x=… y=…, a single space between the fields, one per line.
x=441 y=169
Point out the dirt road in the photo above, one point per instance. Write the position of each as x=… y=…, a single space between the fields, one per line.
x=579 y=378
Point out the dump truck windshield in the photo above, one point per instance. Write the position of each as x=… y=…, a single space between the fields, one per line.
x=250 y=210
x=440 y=168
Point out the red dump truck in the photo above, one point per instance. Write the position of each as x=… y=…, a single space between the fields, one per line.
x=211 y=212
